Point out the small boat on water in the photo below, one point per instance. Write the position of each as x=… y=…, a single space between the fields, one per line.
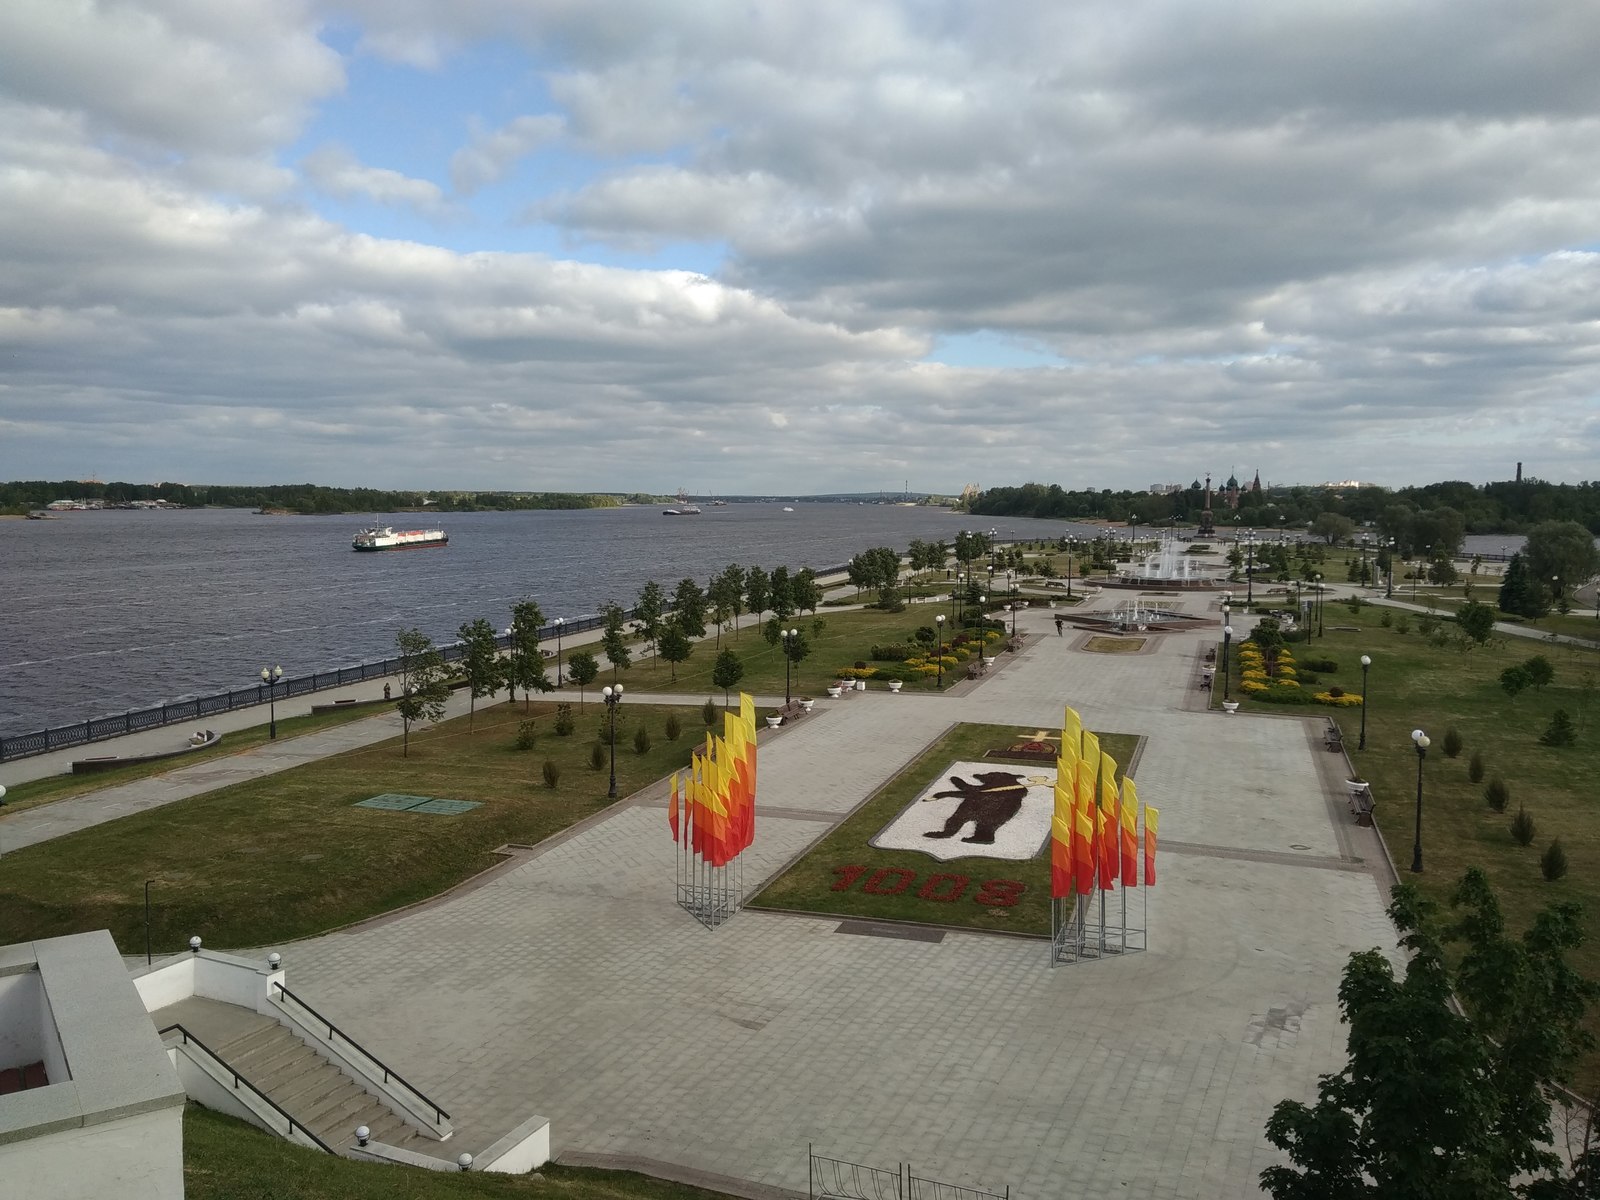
x=683 y=508
x=786 y=508
x=384 y=537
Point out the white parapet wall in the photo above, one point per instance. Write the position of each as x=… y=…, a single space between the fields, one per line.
x=246 y=982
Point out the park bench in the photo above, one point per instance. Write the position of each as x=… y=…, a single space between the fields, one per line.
x=1361 y=806
x=1332 y=738
x=977 y=669
x=791 y=711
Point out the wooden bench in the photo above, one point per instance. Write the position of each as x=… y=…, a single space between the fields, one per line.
x=791 y=711
x=1361 y=806
x=1332 y=738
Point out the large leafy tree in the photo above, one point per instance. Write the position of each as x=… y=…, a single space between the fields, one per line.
x=726 y=595
x=1476 y=621
x=1434 y=1102
x=689 y=609
x=675 y=645
x=480 y=661
x=424 y=687
x=524 y=663
x=757 y=591
x=805 y=591
x=1561 y=550
x=648 y=610
x=613 y=639
x=1332 y=528
x=782 y=598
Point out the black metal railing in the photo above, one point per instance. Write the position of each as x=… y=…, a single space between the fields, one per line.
x=238 y=1080
x=335 y=1034
x=840 y=1179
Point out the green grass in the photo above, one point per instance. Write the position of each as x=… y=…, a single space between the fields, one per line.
x=24 y=796
x=846 y=638
x=1415 y=685
x=808 y=886
x=288 y=856
x=225 y=1159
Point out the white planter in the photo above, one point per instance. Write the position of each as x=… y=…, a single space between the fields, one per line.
x=861 y=685
x=988 y=660
x=774 y=722
x=1230 y=707
x=894 y=685
x=835 y=692
x=806 y=704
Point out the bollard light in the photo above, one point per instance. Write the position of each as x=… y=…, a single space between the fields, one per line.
x=362 y=1135
x=194 y=944
x=464 y=1162
x=274 y=961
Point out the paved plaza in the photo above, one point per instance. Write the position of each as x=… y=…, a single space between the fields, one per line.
x=573 y=987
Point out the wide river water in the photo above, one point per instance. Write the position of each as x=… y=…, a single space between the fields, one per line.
x=105 y=611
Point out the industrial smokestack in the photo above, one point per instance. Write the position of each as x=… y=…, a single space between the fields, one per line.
x=1519 y=472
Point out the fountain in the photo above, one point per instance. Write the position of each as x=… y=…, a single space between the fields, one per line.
x=1168 y=566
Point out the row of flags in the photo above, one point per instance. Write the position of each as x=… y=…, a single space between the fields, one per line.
x=717 y=794
x=1094 y=832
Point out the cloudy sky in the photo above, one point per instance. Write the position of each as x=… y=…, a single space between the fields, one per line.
x=779 y=246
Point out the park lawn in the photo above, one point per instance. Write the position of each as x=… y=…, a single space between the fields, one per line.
x=28 y=795
x=288 y=856
x=1415 y=685
x=809 y=885
x=846 y=638
x=226 y=1159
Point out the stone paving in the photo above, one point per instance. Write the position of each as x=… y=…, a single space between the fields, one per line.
x=572 y=986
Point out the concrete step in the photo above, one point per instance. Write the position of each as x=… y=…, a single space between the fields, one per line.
x=266 y=1053
x=241 y=1048
x=340 y=1116
x=338 y=1128
x=308 y=1087
x=330 y=1105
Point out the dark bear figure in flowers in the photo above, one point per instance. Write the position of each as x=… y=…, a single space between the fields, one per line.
x=989 y=803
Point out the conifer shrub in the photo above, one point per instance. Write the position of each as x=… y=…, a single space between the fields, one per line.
x=674 y=727
x=1452 y=742
x=552 y=773
x=1497 y=795
x=525 y=735
x=708 y=711
x=1475 y=767
x=565 y=722
x=1560 y=731
x=641 y=740
x=597 y=757
x=1523 y=828
x=1553 y=862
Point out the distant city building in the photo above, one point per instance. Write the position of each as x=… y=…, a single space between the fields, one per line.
x=1344 y=483
x=1164 y=489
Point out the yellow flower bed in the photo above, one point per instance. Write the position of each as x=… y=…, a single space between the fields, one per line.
x=1348 y=700
x=1252 y=686
x=855 y=672
x=1257 y=676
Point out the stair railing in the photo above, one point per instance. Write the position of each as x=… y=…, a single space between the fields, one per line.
x=189 y=1039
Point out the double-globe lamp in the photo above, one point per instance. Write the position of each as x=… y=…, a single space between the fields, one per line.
x=613 y=697
x=270 y=677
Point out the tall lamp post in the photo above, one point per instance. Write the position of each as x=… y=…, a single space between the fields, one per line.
x=1317 y=579
x=558 y=623
x=1250 y=570
x=1420 y=739
x=1365 y=663
x=1389 y=590
x=1011 y=598
x=788 y=636
x=939 y=625
x=1072 y=544
x=1227 y=680
x=613 y=697
x=270 y=677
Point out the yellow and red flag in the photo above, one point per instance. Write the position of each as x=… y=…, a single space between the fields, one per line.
x=1108 y=824
x=1130 y=834
x=672 y=809
x=1071 y=729
x=1151 y=818
x=1091 y=751
x=1083 y=829
x=1061 y=840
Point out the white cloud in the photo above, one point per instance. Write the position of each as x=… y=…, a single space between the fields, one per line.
x=335 y=170
x=492 y=152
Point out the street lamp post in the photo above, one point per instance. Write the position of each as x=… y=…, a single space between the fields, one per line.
x=939 y=625
x=1420 y=739
x=1250 y=570
x=1072 y=544
x=270 y=677
x=1011 y=598
x=558 y=623
x=1389 y=590
x=1317 y=579
x=1227 y=641
x=1365 y=663
x=613 y=697
x=788 y=636
x=1366 y=579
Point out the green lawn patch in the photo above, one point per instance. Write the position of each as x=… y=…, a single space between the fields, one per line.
x=292 y=855
x=837 y=875
x=225 y=1159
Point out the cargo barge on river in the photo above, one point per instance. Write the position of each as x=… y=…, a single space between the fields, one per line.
x=376 y=537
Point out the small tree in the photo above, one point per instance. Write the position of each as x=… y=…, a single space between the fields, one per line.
x=1497 y=795
x=524 y=664
x=647 y=613
x=423 y=684
x=583 y=669
x=1452 y=742
x=641 y=740
x=1514 y=680
x=1475 y=767
x=1476 y=621
x=689 y=609
x=708 y=711
x=1522 y=828
x=673 y=727
x=1539 y=670
x=726 y=673
x=565 y=722
x=781 y=595
x=796 y=649
x=1553 y=862
x=613 y=641
x=675 y=646
x=757 y=591
x=480 y=661
x=1560 y=731
x=597 y=757
x=552 y=773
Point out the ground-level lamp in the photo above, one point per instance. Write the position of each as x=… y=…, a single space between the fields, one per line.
x=1365 y=663
x=938 y=622
x=1420 y=740
x=270 y=677
x=613 y=697
x=2 y=797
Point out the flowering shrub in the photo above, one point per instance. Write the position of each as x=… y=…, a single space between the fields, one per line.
x=1252 y=686
x=1255 y=676
x=1347 y=700
x=1286 y=672
x=856 y=672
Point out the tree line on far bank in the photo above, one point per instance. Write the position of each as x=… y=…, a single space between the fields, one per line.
x=304 y=498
